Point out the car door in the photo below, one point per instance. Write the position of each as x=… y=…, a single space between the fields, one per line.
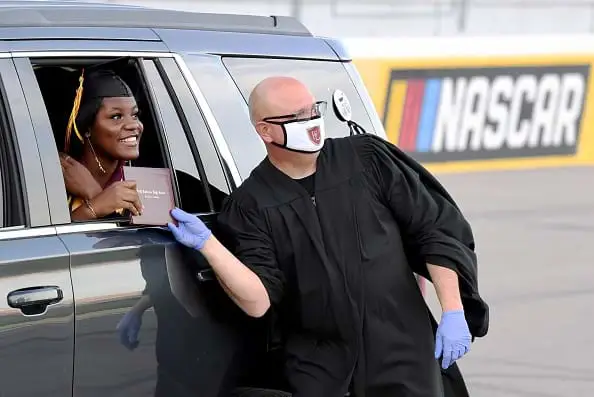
x=36 y=309
x=189 y=332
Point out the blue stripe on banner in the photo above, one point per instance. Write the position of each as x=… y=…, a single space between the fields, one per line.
x=428 y=115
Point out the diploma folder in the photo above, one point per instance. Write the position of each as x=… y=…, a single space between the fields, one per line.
x=155 y=189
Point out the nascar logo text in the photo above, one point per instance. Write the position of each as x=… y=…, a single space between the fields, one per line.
x=481 y=113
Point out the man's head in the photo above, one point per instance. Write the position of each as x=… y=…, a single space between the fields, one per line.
x=286 y=115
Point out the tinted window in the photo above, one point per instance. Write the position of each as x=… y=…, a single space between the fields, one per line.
x=322 y=78
x=164 y=143
x=192 y=190
x=2 y=183
x=192 y=120
x=11 y=199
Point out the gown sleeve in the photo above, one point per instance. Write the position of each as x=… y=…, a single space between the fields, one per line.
x=433 y=228
x=245 y=234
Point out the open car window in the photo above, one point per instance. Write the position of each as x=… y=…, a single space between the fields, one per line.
x=164 y=143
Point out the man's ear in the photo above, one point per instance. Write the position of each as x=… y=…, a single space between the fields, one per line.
x=265 y=131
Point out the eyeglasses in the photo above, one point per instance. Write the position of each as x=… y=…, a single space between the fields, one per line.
x=309 y=112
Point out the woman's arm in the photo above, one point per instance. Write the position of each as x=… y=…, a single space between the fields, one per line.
x=83 y=213
x=78 y=179
x=121 y=194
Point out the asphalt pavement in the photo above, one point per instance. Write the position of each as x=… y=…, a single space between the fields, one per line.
x=535 y=239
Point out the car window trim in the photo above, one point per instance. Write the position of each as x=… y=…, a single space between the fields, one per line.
x=211 y=121
x=194 y=88
x=2 y=189
x=159 y=123
x=357 y=81
x=196 y=92
x=18 y=232
x=26 y=148
x=41 y=123
x=196 y=159
x=209 y=117
x=92 y=226
x=13 y=204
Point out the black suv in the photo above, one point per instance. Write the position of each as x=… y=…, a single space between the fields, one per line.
x=69 y=284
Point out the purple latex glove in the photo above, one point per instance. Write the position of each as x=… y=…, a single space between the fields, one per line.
x=453 y=337
x=191 y=231
x=128 y=329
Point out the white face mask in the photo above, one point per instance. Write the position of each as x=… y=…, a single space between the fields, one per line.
x=306 y=136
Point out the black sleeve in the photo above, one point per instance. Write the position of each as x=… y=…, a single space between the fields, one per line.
x=429 y=226
x=246 y=236
x=433 y=228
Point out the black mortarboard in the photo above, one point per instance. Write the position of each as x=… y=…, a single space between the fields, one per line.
x=94 y=85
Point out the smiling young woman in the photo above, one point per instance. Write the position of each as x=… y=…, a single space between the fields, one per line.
x=105 y=119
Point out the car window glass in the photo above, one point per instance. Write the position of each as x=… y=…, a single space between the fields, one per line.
x=197 y=128
x=54 y=74
x=11 y=199
x=322 y=78
x=194 y=197
x=2 y=183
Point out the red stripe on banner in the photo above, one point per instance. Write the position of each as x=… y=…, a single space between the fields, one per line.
x=411 y=114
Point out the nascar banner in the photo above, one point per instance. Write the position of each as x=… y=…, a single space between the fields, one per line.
x=482 y=113
x=465 y=104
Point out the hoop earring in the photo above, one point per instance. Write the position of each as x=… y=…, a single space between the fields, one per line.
x=88 y=136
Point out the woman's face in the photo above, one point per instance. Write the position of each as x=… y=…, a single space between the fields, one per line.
x=117 y=129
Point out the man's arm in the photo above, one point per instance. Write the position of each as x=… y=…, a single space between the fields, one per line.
x=446 y=286
x=242 y=285
x=253 y=289
x=432 y=234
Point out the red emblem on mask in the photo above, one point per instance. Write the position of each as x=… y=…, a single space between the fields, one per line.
x=314 y=135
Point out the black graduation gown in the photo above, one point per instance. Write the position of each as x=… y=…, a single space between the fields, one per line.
x=340 y=273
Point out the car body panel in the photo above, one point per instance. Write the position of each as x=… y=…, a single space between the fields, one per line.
x=36 y=207
x=78 y=33
x=37 y=350
x=37 y=312
x=87 y=45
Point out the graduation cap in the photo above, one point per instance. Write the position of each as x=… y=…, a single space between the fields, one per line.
x=95 y=83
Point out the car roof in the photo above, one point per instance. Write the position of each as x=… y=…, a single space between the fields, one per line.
x=36 y=13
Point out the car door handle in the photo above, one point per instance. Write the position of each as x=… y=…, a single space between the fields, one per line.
x=34 y=300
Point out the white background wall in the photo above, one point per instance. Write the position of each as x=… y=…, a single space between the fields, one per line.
x=344 y=18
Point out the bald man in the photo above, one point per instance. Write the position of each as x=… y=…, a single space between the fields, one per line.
x=327 y=234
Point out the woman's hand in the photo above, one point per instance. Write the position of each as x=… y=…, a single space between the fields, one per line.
x=78 y=179
x=121 y=194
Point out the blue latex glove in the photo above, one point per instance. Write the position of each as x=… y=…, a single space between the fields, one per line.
x=191 y=231
x=128 y=329
x=453 y=337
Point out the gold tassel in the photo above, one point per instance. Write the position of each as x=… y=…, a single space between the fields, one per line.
x=74 y=114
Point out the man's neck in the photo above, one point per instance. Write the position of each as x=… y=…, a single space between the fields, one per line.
x=294 y=165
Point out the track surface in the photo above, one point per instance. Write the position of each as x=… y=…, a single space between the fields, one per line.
x=535 y=239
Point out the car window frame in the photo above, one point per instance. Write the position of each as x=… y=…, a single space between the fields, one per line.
x=200 y=122
x=303 y=66
x=175 y=128
x=63 y=222
x=209 y=73
x=26 y=170
x=219 y=142
x=229 y=95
